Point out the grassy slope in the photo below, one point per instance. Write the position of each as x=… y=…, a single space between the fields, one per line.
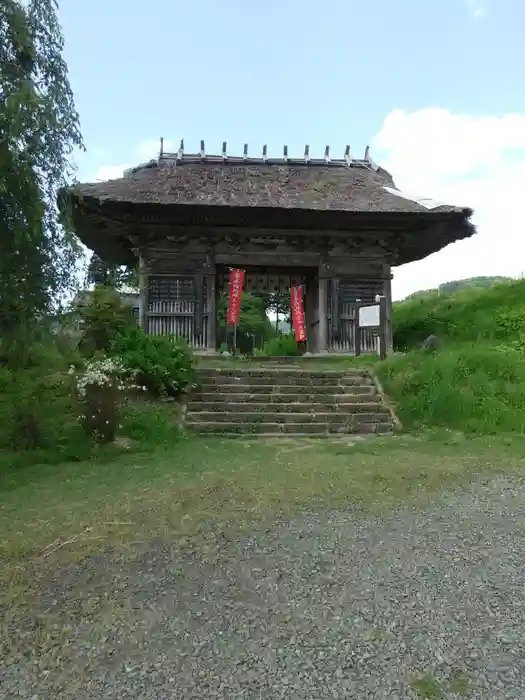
x=495 y=315
x=476 y=382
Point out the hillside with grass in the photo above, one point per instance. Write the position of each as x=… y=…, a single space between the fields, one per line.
x=475 y=382
x=454 y=286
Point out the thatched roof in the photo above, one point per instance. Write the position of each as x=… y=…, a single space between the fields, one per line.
x=257 y=192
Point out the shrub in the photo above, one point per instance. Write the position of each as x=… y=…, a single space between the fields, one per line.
x=99 y=388
x=103 y=317
x=49 y=414
x=163 y=364
x=281 y=346
x=39 y=411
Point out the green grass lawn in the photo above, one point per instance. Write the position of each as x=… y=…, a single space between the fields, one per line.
x=52 y=516
x=69 y=509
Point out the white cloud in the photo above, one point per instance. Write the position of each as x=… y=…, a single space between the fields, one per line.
x=146 y=151
x=151 y=149
x=471 y=161
x=108 y=172
x=478 y=8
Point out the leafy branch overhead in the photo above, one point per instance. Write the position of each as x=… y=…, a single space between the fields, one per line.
x=39 y=131
x=100 y=272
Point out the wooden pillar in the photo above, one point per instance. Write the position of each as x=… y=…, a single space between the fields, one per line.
x=210 y=276
x=357 y=343
x=310 y=311
x=143 y=291
x=387 y=291
x=383 y=328
x=322 y=310
x=198 y=306
x=325 y=273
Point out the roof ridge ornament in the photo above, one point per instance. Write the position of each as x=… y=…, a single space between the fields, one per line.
x=369 y=161
x=201 y=156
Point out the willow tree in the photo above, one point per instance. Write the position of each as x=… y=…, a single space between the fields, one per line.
x=38 y=133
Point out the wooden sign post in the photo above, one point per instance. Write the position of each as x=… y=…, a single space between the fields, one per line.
x=372 y=316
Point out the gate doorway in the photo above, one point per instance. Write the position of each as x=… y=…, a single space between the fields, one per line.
x=268 y=289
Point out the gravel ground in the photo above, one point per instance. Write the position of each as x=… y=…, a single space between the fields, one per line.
x=416 y=604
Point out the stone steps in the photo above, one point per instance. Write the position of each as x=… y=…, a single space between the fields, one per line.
x=358 y=395
x=242 y=387
x=286 y=417
x=318 y=429
x=286 y=401
x=229 y=407
x=281 y=372
x=299 y=381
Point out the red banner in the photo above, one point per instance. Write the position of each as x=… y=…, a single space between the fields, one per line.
x=234 y=306
x=298 y=320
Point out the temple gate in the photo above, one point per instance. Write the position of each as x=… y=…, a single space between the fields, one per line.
x=337 y=227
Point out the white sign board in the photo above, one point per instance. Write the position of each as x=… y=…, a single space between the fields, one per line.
x=369 y=316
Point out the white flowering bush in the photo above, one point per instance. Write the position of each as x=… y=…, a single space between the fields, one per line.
x=98 y=373
x=100 y=386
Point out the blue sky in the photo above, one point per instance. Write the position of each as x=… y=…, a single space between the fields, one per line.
x=429 y=84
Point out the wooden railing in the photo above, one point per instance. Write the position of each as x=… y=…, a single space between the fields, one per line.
x=345 y=340
x=177 y=318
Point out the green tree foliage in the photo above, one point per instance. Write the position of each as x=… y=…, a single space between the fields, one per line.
x=279 y=305
x=103 y=317
x=459 y=285
x=254 y=325
x=471 y=282
x=110 y=275
x=38 y=133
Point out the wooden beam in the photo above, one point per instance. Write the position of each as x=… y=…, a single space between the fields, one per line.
x=269 y=259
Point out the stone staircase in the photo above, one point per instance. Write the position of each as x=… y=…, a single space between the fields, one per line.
x=286 y=402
